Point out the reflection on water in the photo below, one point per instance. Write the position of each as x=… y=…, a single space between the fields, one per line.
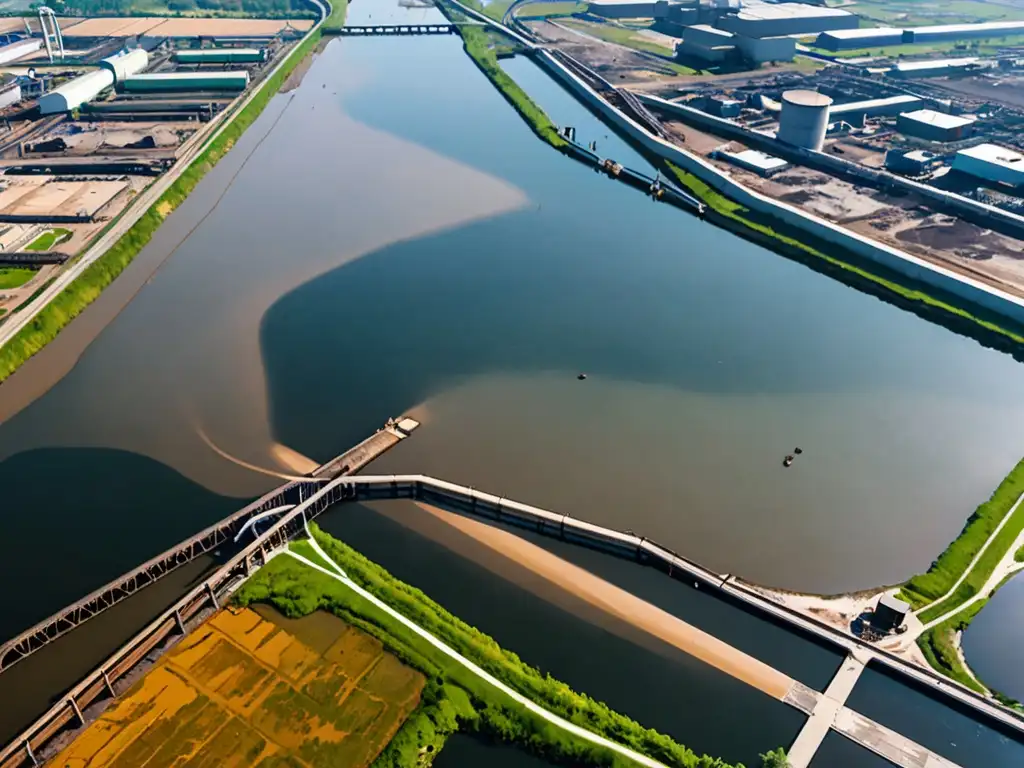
x=992 y=644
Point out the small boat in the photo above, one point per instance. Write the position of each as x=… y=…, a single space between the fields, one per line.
x=798 y=450
x=581 y=376
x=788 y=461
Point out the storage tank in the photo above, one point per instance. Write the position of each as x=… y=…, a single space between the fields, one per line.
x=804 y=119
x=75 y=93
x=187 y=81
x=221 y=56
x=125 y=64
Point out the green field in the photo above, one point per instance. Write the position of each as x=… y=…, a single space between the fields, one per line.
x=920 y=13
x=543 y=10
x=235 y=8
x=12 y=277
x=87 y=287
x=48 y=239
x=455 y=698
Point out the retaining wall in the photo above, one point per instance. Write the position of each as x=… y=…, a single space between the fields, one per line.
x=971 y=291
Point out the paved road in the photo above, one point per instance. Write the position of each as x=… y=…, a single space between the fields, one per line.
x=135 y=211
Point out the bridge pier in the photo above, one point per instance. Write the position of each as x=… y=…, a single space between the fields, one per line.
x=213 y=596
x=78 y=712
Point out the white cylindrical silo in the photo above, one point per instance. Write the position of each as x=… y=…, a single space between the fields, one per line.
x=126 y=63
x=804 y=119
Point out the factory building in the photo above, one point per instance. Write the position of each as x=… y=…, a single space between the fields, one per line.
x=221 y=56
x=706 y=43
x=125 y=64
x=187 y=81
x=934 y=126
x=75 y=93
x=867 y=37
x=803 y=121
x=622 y=9
x=916 y=163
x=893 y=105
x=779 y=19
x=758 y=50
x=962 y=31
x=752 y=160
x=991 y=163
x=933 y=67
x=18 y=50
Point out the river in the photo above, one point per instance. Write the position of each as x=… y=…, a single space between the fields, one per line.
x=390 y=237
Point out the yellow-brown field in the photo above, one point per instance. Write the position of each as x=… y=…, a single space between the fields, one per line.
x=244 y=690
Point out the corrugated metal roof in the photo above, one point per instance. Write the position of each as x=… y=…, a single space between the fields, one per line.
x=978 y=28
x=910 y=66
x=860 y=106
x=853 y=34
x=997 y=155
x=938 y=119
x=761 y=11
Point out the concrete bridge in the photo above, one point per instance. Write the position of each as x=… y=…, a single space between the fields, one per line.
x=398 y=29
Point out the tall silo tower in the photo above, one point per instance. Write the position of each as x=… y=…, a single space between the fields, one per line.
x=804 y=119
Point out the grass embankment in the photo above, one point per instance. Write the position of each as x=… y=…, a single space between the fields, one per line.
x=48 y=239
x=927 y=587
x=479 y=45
x=938 y=645
x=85 y=289
x=741 y=220
x=455 y=699
x=550 y=10
x=13 y=277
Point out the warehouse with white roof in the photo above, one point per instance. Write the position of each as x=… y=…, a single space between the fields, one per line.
x=991 y=163
x=866 y=37
x=778 y=19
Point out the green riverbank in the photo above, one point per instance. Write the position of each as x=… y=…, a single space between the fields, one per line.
x=456 y=699
x=87 y=287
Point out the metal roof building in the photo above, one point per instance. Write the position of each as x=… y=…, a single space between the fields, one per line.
x=866 y=37
x=752 y=160
x=188 y=81
x=962 y=31
x=932 y=67
x=706 y=43
x=221 y=56
x=893 y=105
x=934 y=126
x=126 y=63
x=75 y=93
x=778 y=19
x=622 y=9
x=992 y=163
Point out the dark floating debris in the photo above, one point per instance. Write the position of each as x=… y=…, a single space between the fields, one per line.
x=798 y=450
x=788 y=461
x=581 y=376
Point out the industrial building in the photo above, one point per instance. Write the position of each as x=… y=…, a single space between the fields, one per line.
x=779 y=19
x=890 y=614
x=221 y=56
x=803 y=121
x=706 y=43
x=187 y=81
x=962 y=31
x=934 y=126
x=75 y=93
x=867 y=37
x=752 y=160
x=18 y=50
x=933 y=67
x=893 y=105
x=759 y=50
x=916 y=163
x=126 y=64
x=991 y=162
x=623 y=9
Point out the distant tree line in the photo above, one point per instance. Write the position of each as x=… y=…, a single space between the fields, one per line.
x=261 y=8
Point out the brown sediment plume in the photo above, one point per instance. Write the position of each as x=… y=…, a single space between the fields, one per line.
x=292 y=460
x=618 y=603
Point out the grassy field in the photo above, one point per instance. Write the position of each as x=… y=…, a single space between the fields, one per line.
x=12 y=277
x=48 y=239
x=544 y=10
x=938 y=646
x=247 y=690
x=920 y=13
x=87 y=287
x=455 y=699
x=924 y=588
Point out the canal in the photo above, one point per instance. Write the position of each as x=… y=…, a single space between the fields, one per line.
x=390 y=237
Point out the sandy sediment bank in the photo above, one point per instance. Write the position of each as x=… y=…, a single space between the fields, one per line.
x=618 y=603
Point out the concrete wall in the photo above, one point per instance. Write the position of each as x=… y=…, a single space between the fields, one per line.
x=971 y=291
x=761 y=49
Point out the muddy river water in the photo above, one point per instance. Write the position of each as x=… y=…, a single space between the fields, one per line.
x=391 y=238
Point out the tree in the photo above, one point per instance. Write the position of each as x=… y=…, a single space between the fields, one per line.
x=775 y=759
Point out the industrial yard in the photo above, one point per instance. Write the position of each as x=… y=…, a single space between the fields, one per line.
x=93 y=111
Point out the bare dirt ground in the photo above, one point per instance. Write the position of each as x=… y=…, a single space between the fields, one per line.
x=1006 y=90
x=86 y=138
x=905 y=222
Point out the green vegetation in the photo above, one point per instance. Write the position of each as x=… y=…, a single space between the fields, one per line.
x=546 y=10
x=922 y=13
x=48 y=239
x=480 y=45
x=1019 y=555
x=951 y=564
x=630 y=38
x=267 y=9
x=497 y=8
x=762 y=229
x=455 y=699
x=12 y=277
x=938 y=646
x=87 y=287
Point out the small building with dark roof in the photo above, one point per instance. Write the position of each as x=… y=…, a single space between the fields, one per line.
x=890 y=614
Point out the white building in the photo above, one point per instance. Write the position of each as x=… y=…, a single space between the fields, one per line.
x=706 y=43
x=963 y=31
x=778 y=19
x=18 y=50
x=866 y=37
x=75 y=93
x=991 y=163
x=125 y=64
x=934 y=126
x=932 y=67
